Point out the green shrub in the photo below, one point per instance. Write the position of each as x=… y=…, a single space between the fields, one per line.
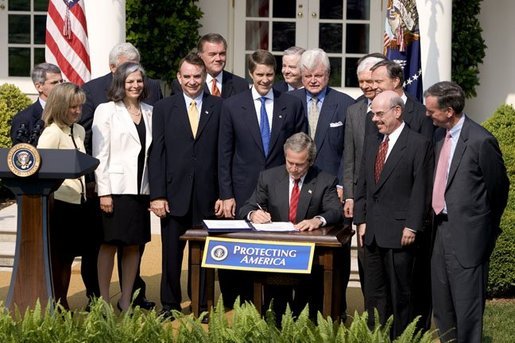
x=12 y=100
x=501 y=281
x=468 y=46
x=164 y=32
x=101 y=325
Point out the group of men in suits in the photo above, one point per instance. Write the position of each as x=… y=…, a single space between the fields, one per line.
x=376 y=74
x=221 y=146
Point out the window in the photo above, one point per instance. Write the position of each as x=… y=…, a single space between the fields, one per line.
x=24 y=21
x=344 y=29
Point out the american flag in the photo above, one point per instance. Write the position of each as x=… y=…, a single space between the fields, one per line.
x=402 y=42
x=67 y=39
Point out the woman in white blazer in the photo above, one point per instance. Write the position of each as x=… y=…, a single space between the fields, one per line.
x=68 y=218
x=121 y=138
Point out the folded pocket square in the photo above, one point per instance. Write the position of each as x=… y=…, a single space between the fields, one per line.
x=337 y=124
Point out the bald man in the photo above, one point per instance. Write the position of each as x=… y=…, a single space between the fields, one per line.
x=392 y=202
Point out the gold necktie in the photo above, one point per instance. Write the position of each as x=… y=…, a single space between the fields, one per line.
x=193 y=117
x=313 y=117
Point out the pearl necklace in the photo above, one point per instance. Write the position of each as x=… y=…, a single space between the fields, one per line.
x=132 y=111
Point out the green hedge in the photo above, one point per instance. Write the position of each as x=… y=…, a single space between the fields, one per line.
x=501 y=281
x=164 y=32
x=103 y=325
x=12 y=100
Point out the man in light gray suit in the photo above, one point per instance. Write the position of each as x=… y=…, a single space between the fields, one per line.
x=469 y=196
x=355 y=129
x=357 y=116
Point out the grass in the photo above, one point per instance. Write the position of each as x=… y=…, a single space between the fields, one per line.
x=499 y=321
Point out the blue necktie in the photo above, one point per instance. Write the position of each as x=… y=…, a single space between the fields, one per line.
x=265 y=126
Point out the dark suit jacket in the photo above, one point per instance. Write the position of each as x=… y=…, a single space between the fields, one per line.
x=281 y=86
x=30 y=117
x=96 y=94
x=182 y=167
x=318 y=196
x=402 y=196
x=355 y=124
x=415 y=116
x=231 y=85
x=329 y=137
x=476 y=193
x=241 y=155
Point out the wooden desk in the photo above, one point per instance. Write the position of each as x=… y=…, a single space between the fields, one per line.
x=328 y=254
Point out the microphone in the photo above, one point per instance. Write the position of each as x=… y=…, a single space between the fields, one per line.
x=21 y=133
x=36 y=131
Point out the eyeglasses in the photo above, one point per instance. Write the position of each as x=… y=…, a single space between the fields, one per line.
x=380 y=114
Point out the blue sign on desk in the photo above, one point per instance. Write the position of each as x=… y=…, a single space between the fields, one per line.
x=258 y=255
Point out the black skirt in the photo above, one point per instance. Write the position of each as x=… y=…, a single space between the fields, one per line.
x=73 y=230
x=129 y=223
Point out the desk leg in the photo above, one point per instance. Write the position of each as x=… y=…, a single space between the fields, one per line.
x=210 y=287
x=195 y=258
x=258 y=294
x=332 y=292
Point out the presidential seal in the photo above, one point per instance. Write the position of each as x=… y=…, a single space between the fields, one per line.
x=219 y=253
x=23 y=160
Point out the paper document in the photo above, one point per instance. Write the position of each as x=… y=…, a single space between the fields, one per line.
x=275 y=227
x=226 y=224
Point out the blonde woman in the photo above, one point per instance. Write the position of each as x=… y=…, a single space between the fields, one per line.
x=121 y=138
x=68 y=216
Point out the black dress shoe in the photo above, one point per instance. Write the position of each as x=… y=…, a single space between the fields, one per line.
x=167 y=312
x=205 y=320
x=144 y=304
x=167 y=315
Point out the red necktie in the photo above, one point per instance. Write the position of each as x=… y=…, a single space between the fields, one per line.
x=214 y=88
x=380 y=158
x=441 y=175
x=294 y=202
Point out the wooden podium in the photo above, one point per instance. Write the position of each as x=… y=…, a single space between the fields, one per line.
x=31 y=278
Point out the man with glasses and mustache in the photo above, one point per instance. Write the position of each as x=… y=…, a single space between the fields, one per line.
x=27 y=125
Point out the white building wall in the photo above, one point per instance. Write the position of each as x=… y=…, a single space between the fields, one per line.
x=106 y=28
x=497 y=73
x=219 y=18
x=435 y=21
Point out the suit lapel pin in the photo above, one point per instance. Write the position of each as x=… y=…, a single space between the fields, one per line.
x=206 y=112
x=280 y=116
x=310 y=191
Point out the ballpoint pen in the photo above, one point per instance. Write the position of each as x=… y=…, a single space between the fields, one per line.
x=261 y=208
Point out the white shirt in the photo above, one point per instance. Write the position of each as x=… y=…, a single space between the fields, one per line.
x=218 y=79
x=42 y=102
x=269 y=104
x=392 y=139
x=198 y=102
x=292 y=184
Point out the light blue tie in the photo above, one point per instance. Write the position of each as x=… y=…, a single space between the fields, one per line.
x=265 y=126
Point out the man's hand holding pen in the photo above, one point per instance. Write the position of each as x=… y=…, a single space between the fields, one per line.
x=260 y=216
